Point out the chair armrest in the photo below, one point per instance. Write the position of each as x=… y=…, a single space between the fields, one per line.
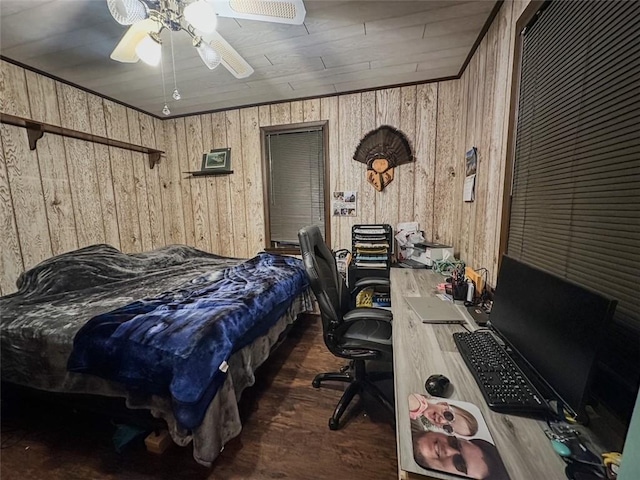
x=371 y=282
x=370 y=313
x=368 y=282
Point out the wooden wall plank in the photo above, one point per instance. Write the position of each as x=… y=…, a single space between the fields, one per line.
x=329 y=111
x=212 y=209
x=405 y=173
x=14 y=98
x=499 y=131
x=486 y=150
x=281 y=113
x=477 y=139
x=425 y=153
x=123 y=181
x=43 y=101
x=27 y=196
x=133 y=122
x=158 y=128
x=388 y=113
x=152 y=176
x=169 y=173
x=469 y=89
x=147 y=135
x=223 y=187
x=458 y=159
x=367 y=196
x=447 y=192
x=104 y=172
x=11 y=265
x=140 y=163
x=43 y=98
x=236 y=183
x=186 y=165
x=125 y=198
x=297 y=112
x=160 y=145
x=85 y=192
x=253 y=188
x=81 y=165
x=57 y=194
x=73 y=106
x=349 y=108
x=264 y=115
x=199 y=197
x=506 y=64
x=311 y=110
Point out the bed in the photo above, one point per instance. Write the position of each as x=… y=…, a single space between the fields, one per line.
x=177 y=331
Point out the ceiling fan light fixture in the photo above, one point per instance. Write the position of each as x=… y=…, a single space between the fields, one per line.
x=149 y=49
x=127 y=12
x=209 y=56
x=201 y=15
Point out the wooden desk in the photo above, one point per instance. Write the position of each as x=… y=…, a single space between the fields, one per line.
x=420 y=350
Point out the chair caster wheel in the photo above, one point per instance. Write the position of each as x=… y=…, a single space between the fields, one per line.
x=333 y=424
x=315 y=383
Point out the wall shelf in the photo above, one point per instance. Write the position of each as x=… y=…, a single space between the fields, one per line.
x=35 y=131
x=200 y=173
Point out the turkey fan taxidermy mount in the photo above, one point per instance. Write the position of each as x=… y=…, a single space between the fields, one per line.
x=381 y=150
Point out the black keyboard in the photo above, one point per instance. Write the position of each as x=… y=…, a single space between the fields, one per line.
x=505 y=388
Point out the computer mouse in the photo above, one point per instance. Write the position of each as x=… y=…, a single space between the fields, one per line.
x=437 y=385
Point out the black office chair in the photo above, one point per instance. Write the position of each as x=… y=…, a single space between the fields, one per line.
x=358 y=334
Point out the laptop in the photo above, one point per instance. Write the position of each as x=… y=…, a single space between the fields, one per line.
x=434 y=310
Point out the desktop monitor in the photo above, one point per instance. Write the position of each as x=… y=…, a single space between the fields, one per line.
x=556 y=326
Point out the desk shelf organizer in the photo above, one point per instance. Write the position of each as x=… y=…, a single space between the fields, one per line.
x=371 y=256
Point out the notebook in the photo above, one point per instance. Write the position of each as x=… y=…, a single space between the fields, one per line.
x=434 y=310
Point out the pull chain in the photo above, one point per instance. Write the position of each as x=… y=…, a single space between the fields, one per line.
x=176 y=94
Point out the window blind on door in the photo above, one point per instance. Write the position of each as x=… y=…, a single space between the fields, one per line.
x=575 y=198
x=296 y=177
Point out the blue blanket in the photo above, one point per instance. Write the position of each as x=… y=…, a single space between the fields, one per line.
x=177 y=343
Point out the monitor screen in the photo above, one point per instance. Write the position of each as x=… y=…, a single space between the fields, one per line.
x=555 y=325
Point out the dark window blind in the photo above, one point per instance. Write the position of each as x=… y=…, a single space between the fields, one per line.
x=575 y=199
x=296 y=183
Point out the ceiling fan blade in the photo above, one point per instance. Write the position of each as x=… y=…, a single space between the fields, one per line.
x=278 y=11
x=231 y=59
x=125 y=51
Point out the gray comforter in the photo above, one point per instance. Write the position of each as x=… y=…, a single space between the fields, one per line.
x=57 y=297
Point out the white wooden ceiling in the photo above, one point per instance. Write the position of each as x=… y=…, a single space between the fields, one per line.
x=343 y=46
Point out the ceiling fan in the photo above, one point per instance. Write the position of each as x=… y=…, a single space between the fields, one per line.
x=198 y=18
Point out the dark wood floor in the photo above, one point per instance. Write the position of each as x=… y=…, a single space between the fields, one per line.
x=285 y=434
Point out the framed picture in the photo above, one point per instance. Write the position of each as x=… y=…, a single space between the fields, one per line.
x=218 y=160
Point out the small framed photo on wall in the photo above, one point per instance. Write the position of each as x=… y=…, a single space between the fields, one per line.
x=217 y=160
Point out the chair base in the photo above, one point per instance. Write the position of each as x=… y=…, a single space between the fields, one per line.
x=359 y=381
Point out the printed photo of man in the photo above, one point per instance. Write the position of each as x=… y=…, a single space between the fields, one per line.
x=475 y=458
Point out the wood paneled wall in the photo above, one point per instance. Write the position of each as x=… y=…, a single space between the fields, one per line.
x=486 y=84
x=235 y=202
x=71 y=193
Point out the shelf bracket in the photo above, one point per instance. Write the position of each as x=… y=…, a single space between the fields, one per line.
x=154 y=159
x=35 y=131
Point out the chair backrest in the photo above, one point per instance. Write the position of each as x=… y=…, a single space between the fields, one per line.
x=325 y=280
